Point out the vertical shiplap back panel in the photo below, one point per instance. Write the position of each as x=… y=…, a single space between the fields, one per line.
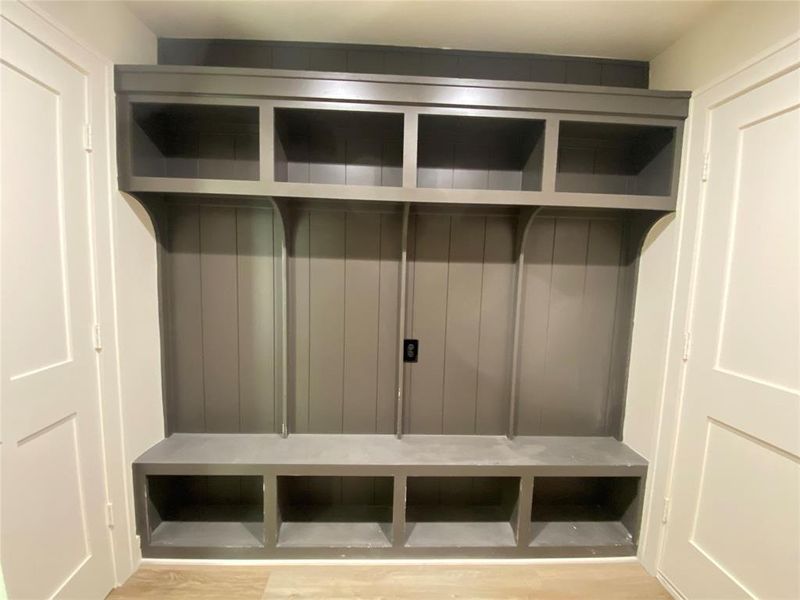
x=491 y=414
x=564 y=339
x=185 y=406
x=218 y=274
x=221 y=333
x=597 y=321
x=572 y=294
x=361 y=312
x=424 y=399
x=388 y=344
x=345 y=286
x=462 y=324
x=326 y=321
x=256 y=313
x=534 y=324
x=460 y=286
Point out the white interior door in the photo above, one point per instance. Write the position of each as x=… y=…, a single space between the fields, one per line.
x=734 y=527
x=55 y=542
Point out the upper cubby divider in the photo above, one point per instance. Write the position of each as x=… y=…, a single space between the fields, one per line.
x=338 y=146
x=615 y=158
x=484 y=153
x=195 y=141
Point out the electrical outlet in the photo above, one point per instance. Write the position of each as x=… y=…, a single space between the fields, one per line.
x=410 y=351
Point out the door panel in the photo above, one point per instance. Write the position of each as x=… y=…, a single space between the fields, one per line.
x=734 y=530
x=54 y=538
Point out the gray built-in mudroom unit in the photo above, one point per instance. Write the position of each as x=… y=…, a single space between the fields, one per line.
x=396 y=296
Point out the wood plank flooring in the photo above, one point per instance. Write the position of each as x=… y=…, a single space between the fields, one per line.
x=609 y=581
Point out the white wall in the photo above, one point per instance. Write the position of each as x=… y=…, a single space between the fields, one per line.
x=110 y=29
x=725 y=39
x=729 y=37
x=113 y=32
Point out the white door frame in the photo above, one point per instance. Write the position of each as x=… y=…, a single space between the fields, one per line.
x=103 y=183
x=760 y=69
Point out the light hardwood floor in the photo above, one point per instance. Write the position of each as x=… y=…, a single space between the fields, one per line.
x=610 y=581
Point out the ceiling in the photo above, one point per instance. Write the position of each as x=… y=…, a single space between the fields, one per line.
x=611 y=29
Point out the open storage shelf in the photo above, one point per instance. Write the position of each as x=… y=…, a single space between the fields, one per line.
x=612 y=158
x=463 y=512
x=480 y=153
x=206 y=511
x=595 y=513
x=340 y=147
x=309 y=224
x=195 y=141
x=349 y=512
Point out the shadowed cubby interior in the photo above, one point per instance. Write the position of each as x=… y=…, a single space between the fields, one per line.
x=609 y=158
x=195 y=141
x=203 y=511
x=221 y=279
x=335 y=511
x=342 y=147
x=480 y=153
x=461 y=511
x=585 y=511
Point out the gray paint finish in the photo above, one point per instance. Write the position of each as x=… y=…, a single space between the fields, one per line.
x=576 y=290
x=265 y=333
x=340 y=454
x=310 y=514
x=345 y=275
x=221 y=344
x=402 y=61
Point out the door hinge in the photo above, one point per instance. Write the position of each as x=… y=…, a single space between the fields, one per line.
x=87 y=137
x=110 y=515
x=687 y=345
x=98 y=340
x=665 y=514
x=706 y=166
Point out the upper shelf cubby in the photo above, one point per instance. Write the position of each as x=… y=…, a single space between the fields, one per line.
x=195 y=141
x=340 y=147
x=614 y=158
x=480 y=153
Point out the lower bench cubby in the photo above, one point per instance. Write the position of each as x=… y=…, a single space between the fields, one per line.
x=585 y=515
x=335 y=512
x=466 y=512
x=198 y=511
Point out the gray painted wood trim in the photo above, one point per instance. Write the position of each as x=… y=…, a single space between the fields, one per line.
x=283 y=211
x=550 y=160
x=410 y=148
x=266 y=138
x=271 y=511
x=523 y=511
x=401 y=321
x=127 y=70
x=420 y=91
x=221 y=187
x=399 y=511
x=341 y=454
